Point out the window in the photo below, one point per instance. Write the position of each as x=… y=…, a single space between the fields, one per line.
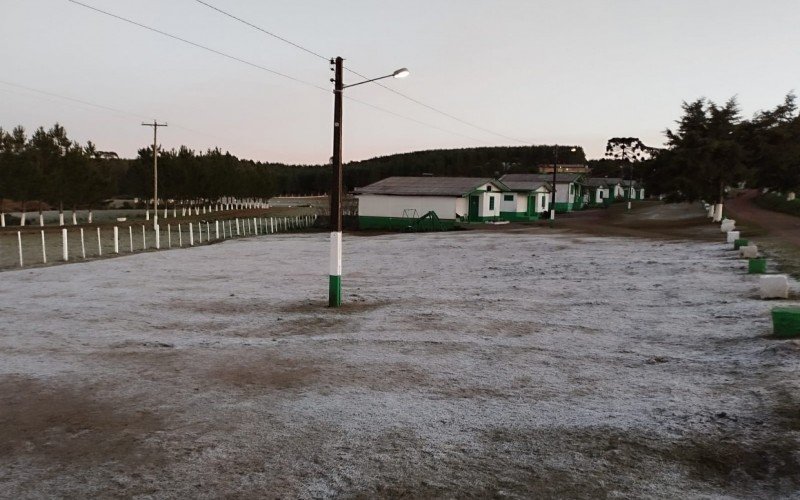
x=491 y=203
x=488 y=188
x=508 y=197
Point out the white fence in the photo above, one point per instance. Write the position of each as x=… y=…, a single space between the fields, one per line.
x=29 y=247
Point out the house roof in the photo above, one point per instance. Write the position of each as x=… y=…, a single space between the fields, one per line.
x=601 y=181
x=545 y=178
x=526 y=185
x=428 y=186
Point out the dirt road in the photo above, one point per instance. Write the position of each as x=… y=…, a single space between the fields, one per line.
x=776 y=224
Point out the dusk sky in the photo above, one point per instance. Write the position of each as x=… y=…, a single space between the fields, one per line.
x=527 y=71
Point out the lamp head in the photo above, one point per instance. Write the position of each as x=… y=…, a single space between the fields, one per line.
x=401 y=73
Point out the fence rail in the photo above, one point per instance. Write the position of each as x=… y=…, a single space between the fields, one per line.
x=39 y=246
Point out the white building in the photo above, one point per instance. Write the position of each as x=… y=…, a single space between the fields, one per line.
x=399 y=202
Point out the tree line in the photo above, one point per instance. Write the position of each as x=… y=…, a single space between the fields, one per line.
x=713 y=148
x=48 y=167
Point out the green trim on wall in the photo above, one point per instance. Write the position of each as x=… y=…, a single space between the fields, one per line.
x=395 y=223
x=562 y=207
x=518 y=216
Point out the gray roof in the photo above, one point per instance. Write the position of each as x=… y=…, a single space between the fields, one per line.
x=560 y=177
x=428 y=186
x=526 y=185
x=602 y=181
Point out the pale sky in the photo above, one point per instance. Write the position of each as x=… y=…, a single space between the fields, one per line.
x=544 y=72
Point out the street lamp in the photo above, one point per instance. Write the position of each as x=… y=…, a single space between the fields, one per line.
x=553 y=194
x=335 y=274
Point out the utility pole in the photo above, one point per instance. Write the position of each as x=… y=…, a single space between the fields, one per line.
x=155 y=126
x=553 y=197
x=335 y=275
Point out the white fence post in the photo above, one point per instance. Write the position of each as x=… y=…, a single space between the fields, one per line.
x=157 y=229
x=216 y=227
x=130 y=236
x=83 y=245
x=99 y=243
x=44 y=252
x=237 y=226
x=144 y=239
x=191 y=234
x=180 y=236
x=169 y=235
x=208 y=231
x=19 y=246
x=64 y=245
x=116 y=239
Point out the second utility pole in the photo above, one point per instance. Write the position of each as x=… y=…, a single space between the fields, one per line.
x=155 y=126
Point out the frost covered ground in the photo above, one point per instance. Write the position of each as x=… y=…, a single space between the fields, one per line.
x=511 y=364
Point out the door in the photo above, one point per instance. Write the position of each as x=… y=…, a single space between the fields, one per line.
x=474 y=203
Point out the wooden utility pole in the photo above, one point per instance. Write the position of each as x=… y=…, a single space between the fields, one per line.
x=335 y=275
x=155 y=126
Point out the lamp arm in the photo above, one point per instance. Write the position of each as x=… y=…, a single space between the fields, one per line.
x=368 y=81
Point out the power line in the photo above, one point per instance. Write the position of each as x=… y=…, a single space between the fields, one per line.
x=269 y=70
x=263 y=30
x=80 y=101
x=195 y=44
x=416 y=101
x=102 y=107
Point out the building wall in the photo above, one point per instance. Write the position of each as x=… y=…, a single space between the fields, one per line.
x=445 y=207
x=513 y=205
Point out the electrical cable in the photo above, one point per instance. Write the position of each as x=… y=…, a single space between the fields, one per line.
x=264 y=68
x=316 y=54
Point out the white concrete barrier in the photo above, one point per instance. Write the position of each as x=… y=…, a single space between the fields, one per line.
x=64 y=245
x=733 y=236
x=748 y=252
x=774 y=286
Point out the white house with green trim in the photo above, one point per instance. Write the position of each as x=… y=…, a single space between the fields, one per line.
x=601 y=191
x=569 y=190
x=526 y=201
x=400 y=202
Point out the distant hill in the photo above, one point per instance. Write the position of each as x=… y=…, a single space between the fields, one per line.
x=466 y=162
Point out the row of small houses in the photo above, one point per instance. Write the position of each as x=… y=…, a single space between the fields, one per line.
x=395 y=201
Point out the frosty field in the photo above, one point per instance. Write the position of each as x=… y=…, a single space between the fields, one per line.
x=510 y=364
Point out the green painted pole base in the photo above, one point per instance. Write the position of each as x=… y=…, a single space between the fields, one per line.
x=786 y=322
x=757 y=266
x=740 y=243
x=335 y=291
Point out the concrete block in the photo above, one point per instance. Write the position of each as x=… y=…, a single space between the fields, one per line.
x=748 y=252
x=774 y=286
x=786 y=322
x=757 y=266
x=733 y=236
x=739 y=243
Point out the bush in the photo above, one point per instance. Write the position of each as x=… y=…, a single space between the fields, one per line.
x=778 y=203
